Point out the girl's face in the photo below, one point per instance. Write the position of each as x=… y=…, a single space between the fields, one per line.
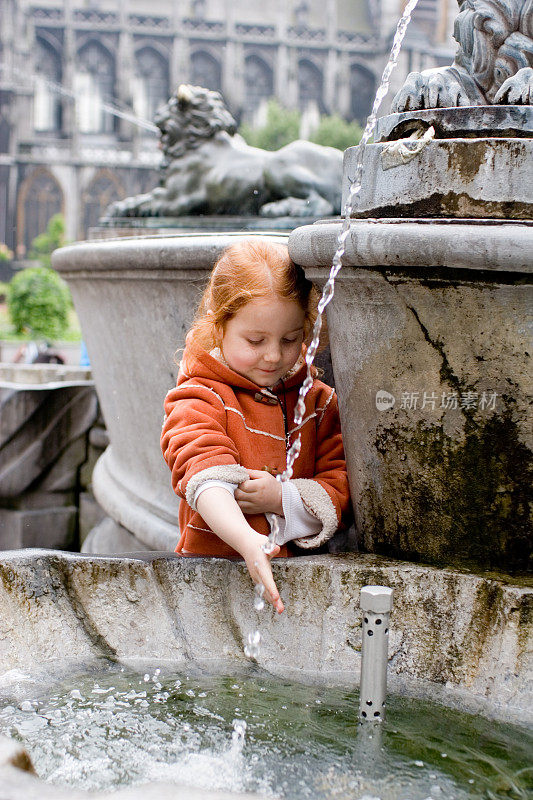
x=263 y=340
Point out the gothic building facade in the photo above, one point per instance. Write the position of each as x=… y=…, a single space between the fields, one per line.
x=80 y=81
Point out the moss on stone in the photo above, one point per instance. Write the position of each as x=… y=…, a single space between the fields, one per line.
x=454 y=502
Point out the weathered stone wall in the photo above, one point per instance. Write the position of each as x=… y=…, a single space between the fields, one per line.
x=431 y=354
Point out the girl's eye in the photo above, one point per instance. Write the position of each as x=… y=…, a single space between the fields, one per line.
x=254 y=341
x=289 y=341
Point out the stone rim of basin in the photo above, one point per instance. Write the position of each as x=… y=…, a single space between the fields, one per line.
x=203 y=605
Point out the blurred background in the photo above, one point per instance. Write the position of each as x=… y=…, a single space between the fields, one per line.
x=81 y=80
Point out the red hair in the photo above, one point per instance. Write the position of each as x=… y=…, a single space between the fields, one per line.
x=248 y=270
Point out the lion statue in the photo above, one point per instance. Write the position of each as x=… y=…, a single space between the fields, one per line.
x=493 y=64
x=209 y=169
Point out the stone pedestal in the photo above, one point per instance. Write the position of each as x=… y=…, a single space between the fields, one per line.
x=431 y=354
x=478 y=164
x=46 y=413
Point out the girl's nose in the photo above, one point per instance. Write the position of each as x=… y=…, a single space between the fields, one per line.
x=273 y=352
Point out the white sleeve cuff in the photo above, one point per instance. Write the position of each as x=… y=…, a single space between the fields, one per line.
x=227 y=473
x=297 y=521
x=229 y=487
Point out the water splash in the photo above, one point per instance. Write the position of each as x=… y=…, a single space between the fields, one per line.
x=252 y=647
x=329 y=288
x=239 y=735
x=293 y=747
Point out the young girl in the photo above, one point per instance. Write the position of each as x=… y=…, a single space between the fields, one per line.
x=230 y=420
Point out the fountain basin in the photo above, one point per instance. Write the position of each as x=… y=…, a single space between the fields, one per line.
x=430 y=334
x=460 y=640
x=454 y=635
x=249 y=732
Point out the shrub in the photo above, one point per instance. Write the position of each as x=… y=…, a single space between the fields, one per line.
x=38 y=301
x=282 y=126
x=5 y=252
x=334 y=131
x=45 y=243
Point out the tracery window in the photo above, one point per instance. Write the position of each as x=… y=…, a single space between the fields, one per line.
x=362 y=91
x=206 y=71
x=259 y=80
x=46 y=101
x=94 y=85
x=40 y=198
x=151 y=89
x=102 y=191
x=310 y=85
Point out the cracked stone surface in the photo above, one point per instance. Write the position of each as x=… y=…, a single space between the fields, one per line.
x=431 y=353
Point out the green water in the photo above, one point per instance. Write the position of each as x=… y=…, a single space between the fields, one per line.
x=117 y=727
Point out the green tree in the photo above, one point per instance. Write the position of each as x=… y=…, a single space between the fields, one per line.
x=45 y=243
x=334 y=131
x=282 y=126
x=38 y=302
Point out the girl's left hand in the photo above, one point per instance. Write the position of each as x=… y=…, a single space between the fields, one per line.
x=260 y=494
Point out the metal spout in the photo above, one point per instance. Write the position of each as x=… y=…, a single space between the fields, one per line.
x=376 y=605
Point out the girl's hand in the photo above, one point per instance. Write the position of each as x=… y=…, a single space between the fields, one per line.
x=260 y=494
x=258 y=564
x=223 y=515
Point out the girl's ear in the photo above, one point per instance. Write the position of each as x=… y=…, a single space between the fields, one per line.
x=218 y=331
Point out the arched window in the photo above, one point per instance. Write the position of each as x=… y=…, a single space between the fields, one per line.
x=102 y=190
x=40 y=198
x=94 y=85
x=206 y=71
x=259 y=80
x=362 y=91
x=151 y=84
x=46 y=101
x=310 y=85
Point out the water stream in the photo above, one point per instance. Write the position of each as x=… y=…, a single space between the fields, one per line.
x=117 y=727
x=253 y=642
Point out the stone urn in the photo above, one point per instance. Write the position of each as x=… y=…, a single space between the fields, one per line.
x=136 y=298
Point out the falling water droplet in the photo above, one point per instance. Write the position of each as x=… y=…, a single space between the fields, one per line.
x=252 y=647
x=259 y=603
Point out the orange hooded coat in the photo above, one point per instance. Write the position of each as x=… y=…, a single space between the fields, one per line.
x=218 y=424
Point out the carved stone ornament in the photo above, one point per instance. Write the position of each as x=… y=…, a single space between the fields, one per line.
x=493 y=64
x=209 y=169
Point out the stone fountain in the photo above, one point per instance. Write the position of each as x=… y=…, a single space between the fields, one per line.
x=429 y=348
x=430 y=326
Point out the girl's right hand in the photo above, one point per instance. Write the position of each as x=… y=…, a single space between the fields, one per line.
x=258 y=564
